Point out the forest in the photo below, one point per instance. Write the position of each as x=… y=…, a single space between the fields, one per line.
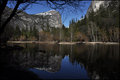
x=99 y=26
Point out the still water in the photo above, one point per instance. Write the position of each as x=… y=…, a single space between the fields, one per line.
x=81 y=61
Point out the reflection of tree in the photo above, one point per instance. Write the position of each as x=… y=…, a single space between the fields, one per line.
x=77 y=53
x=39 y=60
x=32 y=57
x=101 y=61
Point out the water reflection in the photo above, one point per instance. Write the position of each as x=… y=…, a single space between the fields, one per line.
x=68 y=61
x=67 y=71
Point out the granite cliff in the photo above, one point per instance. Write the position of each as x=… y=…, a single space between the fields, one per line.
x=50 y=18
x=96 y=4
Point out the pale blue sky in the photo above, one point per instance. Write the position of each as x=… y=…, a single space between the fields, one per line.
x=67 y=14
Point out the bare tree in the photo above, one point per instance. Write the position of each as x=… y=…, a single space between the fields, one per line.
x=54 y=4
x=3 y=4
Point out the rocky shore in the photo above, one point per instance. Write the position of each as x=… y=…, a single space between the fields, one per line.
x=62 y=43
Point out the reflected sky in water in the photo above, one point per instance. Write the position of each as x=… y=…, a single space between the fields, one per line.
x=67 y=71
x=50 y=61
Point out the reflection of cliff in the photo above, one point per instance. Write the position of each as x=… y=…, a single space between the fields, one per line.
x=39 y=60
x=52 y=65
x=101 y=61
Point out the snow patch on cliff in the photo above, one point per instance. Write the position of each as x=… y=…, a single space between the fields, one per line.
x=96 y=5
x=46 y=13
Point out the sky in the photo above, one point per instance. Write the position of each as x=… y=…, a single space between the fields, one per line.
x=67 y=13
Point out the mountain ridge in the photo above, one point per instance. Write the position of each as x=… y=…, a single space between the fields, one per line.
x=51 y=18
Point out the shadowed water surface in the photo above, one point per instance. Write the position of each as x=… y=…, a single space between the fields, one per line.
x=65 y=61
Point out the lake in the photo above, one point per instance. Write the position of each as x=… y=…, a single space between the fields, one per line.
x=53 y=61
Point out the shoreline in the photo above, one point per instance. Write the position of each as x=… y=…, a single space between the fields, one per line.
x=61 y=43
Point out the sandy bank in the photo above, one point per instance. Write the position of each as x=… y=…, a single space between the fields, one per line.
x=72 y=43
x=101 y=43
x=69 y=43
x=62 y=43
x=38 y=42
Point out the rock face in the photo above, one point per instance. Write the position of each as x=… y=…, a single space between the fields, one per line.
x=95 y=5
x=51 y=18
x=54 y=18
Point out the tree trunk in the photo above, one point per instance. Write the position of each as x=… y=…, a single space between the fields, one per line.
x=2 y=28
x=2 y=7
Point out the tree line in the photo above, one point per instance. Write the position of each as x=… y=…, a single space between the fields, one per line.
x=102 y=25
x=24 y=34
x=25 y=4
